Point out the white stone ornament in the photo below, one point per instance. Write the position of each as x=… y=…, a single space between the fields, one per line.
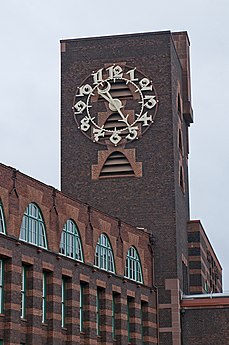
x=115 y=105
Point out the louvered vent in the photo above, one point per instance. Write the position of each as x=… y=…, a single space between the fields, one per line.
x=113 y=122
x=117 y=164
x=120 y=89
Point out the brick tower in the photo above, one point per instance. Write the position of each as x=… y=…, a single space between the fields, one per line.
x=125 y=113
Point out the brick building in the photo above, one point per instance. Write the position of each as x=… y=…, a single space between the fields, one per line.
x=62 y=287
x=114 y=258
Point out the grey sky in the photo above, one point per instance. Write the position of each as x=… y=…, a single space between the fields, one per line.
x=30 y=31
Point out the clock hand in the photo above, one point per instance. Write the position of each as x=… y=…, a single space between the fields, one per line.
x=124 y=119
x=106 y=97
x=114 y=103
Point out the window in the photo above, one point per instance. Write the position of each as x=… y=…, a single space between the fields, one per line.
x=180 y=141
x=23 y=292
x=44 y=296
x=98 y=310
x=144 y=316
x=185 y=278
x=70 y=243
x=179 y=104
x=182 y=185
x=2 y=220
x=63 y=302
x=33 y=227
x=115 y=297
x=1 y=287
x=133 y=269
x=82 y=287
x=129 y=327
x=104 y=258
x=141 y=324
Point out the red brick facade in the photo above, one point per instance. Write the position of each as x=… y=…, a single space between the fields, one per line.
x=16 y=192
x=204 y=267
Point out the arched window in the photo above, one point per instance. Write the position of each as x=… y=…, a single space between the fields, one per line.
x=33 y=227
x=133 y=269
x=70 y=243
x=179 y=104
x=2 y=220
x=104 y=257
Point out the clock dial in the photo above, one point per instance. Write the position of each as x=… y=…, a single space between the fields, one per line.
x=115 y=105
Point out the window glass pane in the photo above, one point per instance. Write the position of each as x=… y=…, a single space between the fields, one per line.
x=32 y=227
x=70 y=244
x=2 y=220
x=63 y=301
x=133 y=268
x=104 y=257
x=44 y=298
x=98 y=296
x=23 y=292
x=82 y=287
x=1 y=286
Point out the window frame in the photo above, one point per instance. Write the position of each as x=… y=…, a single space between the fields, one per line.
x=23 y=292
x=115 y=297
x=98 y=316
x=2 y=269
x=82 y=300
x=133 y=266
x=2 y=220
x=74 y=238
x=129 y=300
x=33 y=229
x=104 y=256
x=63 y=302
x=44 y=297
x=143 y=316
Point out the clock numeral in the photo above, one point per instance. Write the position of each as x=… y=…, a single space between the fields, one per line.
x=151 y=102
x=131 y=72
x=115 y=72
x=98 y=133
x=80 y=107
x=85 y=90
x=85 y=125
x=97 y=76
x=132 y=133
x=145 y=118
x=115 y=138
x=145 y=84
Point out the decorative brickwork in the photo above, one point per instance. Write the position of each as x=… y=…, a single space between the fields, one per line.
x=15 y=253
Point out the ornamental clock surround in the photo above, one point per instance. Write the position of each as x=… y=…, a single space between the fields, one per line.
x=115 y=105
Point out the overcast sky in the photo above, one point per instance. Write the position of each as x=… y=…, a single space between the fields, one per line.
x=30 y=31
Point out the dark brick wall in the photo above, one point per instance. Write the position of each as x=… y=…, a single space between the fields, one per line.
x=205 y=326
x=156 y=200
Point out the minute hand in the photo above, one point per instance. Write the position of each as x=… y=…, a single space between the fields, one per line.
x=114 y=103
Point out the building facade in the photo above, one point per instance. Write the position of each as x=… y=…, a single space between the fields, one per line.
x=70 y=274
x=153 y=193
x=113 y=258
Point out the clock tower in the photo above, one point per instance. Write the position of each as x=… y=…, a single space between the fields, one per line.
x=125 y=114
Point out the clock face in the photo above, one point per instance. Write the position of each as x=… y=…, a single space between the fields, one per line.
x=115 y=105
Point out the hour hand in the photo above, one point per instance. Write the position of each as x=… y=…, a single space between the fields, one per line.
x=114 y=103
